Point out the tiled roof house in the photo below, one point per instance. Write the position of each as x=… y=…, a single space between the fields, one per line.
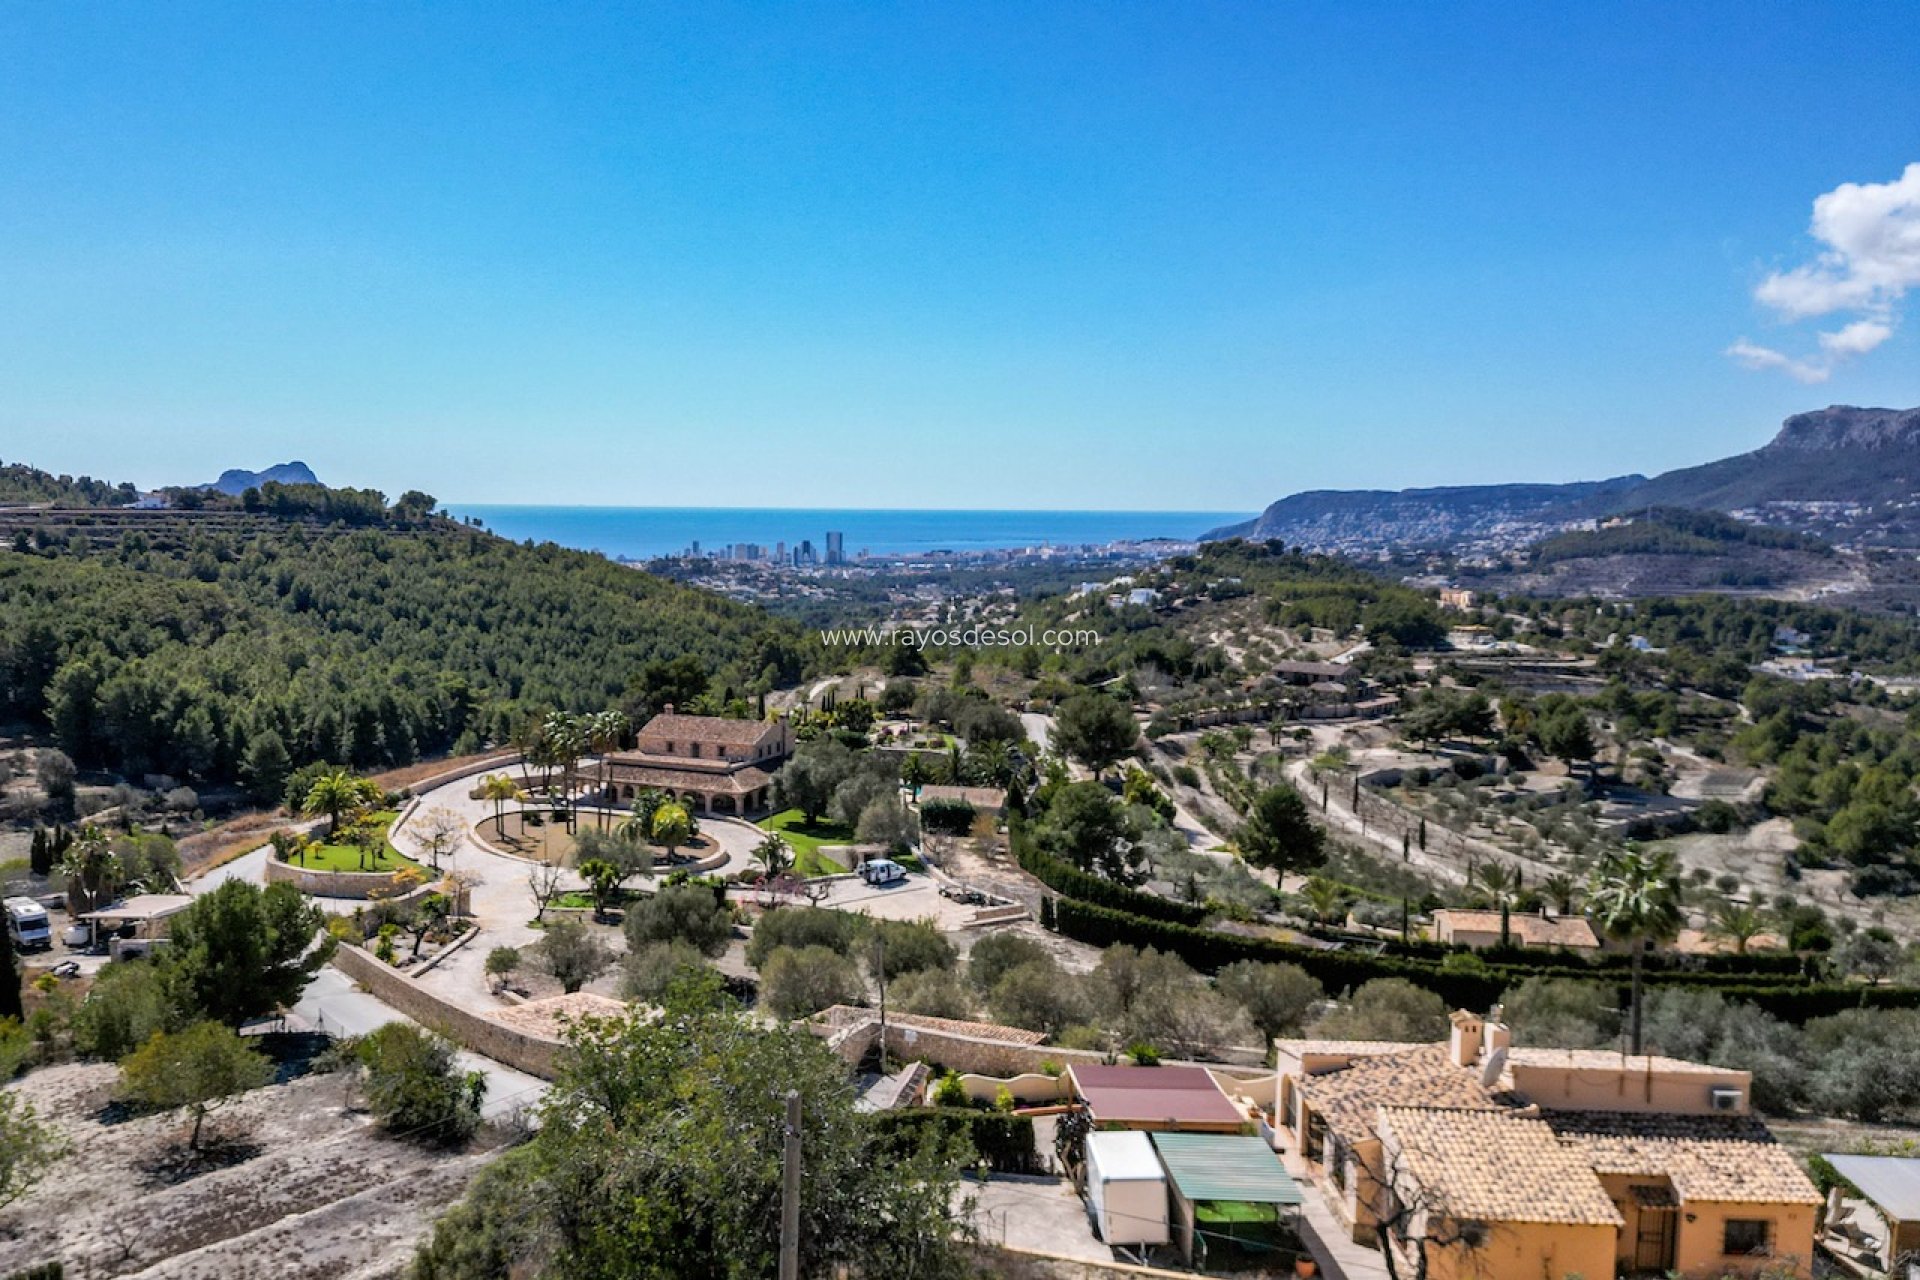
x=1518 y=1163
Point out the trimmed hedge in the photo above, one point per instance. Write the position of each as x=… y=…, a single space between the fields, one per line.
x=1004 y=1141
x=952 y=817
x=1758 y=968
x=1210 y=950
x=1071 y=883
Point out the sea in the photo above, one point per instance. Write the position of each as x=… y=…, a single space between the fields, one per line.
x=644 y=533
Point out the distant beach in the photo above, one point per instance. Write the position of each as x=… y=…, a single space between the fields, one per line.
x=641 y=533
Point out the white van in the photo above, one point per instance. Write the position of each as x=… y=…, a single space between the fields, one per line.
x=882 y=871
x=28 y=925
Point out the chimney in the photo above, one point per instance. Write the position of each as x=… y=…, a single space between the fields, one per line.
x=1464 y=1046
x=668 y=709
x=1499 y=1034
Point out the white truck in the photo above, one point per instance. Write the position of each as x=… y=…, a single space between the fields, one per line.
x=28 y=925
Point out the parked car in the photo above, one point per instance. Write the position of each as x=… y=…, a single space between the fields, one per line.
x=879 y=871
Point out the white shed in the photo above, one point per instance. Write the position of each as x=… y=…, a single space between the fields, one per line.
x=1126 y=1188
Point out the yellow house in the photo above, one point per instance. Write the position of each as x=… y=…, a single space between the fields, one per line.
x=1506 y=1162
x=1487 y=1193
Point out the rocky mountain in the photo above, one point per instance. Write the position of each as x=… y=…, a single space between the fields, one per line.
x=1867 y=457
x=236 y=481
x=1844 y=473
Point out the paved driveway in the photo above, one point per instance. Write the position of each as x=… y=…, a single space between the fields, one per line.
x=332 y=1003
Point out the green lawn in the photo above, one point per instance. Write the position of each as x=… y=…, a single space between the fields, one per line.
x=806 y=842
x=346 y=857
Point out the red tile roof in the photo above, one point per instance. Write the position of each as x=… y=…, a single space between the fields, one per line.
x=1153 y=1095
x=720 y=729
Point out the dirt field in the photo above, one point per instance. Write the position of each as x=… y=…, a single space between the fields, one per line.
x=319 y=1192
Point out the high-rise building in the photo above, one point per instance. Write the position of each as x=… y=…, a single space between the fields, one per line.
x=803 y=553
x=836 y=553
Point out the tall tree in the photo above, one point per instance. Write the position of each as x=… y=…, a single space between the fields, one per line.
x=241 y=950
x=339 y=795
x=1279 y=834
x=1634 y=897
x=499 y=788
x=1088 y=828
x=92 y=869
x=10 y=1004
x=807 y=782
x=1096 y=730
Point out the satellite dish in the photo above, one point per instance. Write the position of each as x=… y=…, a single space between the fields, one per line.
x=1490 y=1070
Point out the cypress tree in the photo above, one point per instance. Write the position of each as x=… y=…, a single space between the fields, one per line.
x=10 y=1006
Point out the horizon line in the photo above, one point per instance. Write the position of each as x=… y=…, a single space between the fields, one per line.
x=450 y=505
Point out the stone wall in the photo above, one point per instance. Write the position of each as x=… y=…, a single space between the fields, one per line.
x=535 y=1055
x=332 y=884
x=979 y=1056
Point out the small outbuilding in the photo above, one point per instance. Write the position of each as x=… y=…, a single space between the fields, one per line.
x=1126 y=1189
x=134 y=924
x=1881 y=1224
x=1232 y=1191
x=1155 y=1098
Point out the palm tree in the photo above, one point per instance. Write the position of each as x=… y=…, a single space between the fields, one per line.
x=604 y=731
x=92 y=870
x=338 y=794
x=500 y=788
x=991 y=763
x=672 y=826
x=774 y=855
x=565 y=738
x=1635 y=897
x=1501 y=883
x=1559 y=889
x=1324 y=896
x=1737 y=922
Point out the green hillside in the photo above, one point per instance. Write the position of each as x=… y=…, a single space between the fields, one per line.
x=1670 y=532
x=203 y=644
x=22 y=485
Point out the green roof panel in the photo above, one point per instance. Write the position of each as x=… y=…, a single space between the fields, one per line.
x=1220 y=1167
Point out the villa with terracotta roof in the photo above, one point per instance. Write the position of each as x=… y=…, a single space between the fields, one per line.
x=1522 y=929
x=1518 y=1163
x=712 y=763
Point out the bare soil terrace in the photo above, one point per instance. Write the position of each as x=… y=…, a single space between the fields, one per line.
x=316 y=1191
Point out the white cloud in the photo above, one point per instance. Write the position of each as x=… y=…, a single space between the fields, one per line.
x=1856 y=339
x=1753 y=356
x=1870 y=260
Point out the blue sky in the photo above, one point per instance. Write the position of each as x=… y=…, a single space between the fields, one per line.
x=1104 y=256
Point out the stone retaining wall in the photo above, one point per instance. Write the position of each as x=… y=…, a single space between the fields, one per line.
x=332 y=884
x=979 y=1056
x=535 y=1055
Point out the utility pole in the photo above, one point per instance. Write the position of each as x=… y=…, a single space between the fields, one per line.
x=790 y=1192
x=880 y=943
